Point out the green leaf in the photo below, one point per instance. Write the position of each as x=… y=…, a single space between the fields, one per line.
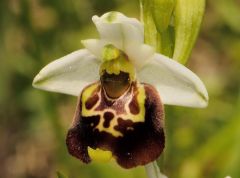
x=162 y=38
x=153 y=170
x=176 y=40
x=167 y=42
x=151 y=36
x=188 y=19
x=223 y=146
x=162 y=13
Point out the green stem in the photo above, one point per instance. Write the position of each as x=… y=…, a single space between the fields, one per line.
x=153 y=170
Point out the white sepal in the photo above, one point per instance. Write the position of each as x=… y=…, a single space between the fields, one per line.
x=69 y=74
x=118 y=29
x=176 y=84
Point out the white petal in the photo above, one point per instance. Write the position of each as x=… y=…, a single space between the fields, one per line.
x=69 y=74
x=95 y=46
x=176 y=84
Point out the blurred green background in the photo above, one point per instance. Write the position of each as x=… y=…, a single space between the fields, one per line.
x=201 y=143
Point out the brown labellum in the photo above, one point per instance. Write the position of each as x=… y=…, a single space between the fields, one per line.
x=132 y=141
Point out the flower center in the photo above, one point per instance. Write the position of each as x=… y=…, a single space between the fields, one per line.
x=116 y=72
x=115 y=85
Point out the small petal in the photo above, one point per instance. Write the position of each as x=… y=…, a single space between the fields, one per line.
x=95 y=46
x=139 y=55
x=176 y=84
x=69 y=74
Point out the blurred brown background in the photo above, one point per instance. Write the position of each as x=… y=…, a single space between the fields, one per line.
x=201 y=143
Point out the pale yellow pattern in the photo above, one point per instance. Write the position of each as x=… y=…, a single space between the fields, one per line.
x=128 y=115
x=100 y=155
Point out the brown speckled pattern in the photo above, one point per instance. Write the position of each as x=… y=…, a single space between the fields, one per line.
x=141 y=143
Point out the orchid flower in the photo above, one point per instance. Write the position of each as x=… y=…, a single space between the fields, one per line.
x=122 y=85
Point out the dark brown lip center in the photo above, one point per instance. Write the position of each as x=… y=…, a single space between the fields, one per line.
x=115 y=85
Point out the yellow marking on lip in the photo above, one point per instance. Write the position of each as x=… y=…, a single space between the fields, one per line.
x=140 y=117
x=100 y=155
x=113 y=123
x=86 y=94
